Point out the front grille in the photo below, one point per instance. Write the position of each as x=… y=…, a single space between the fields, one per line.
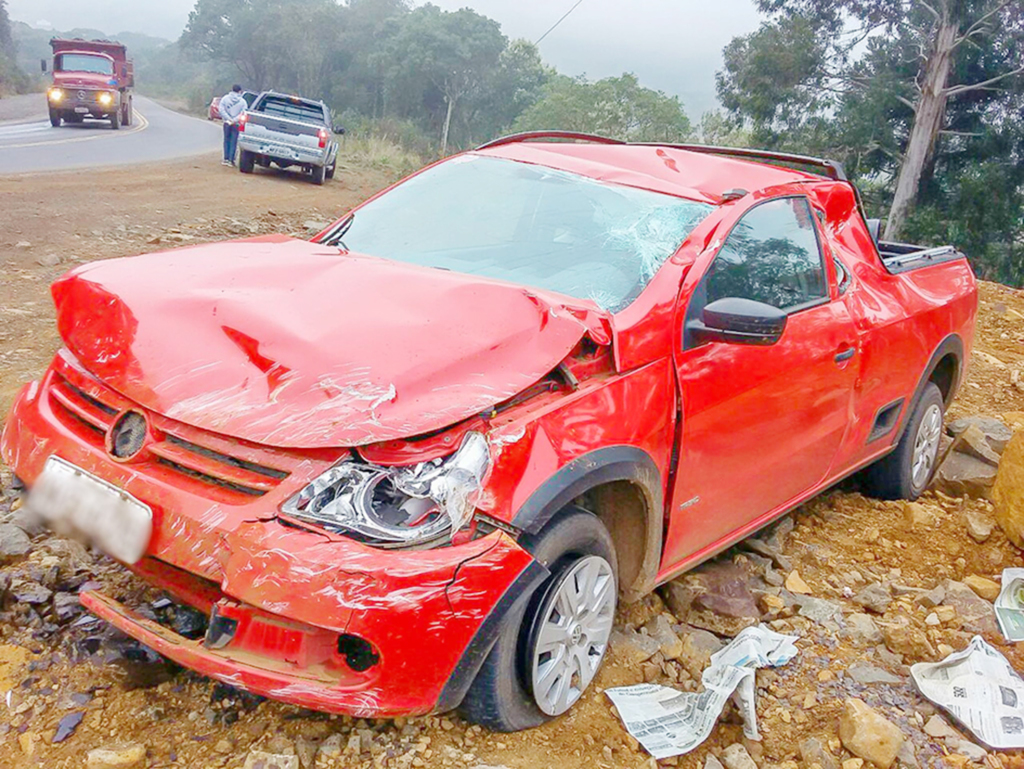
x=233 y=470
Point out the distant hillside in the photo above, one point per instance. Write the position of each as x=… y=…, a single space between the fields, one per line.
x=34 y=44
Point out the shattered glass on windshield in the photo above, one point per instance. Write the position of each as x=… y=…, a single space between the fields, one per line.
x=527 y=224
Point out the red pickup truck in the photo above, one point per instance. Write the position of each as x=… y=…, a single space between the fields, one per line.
x=412 y=464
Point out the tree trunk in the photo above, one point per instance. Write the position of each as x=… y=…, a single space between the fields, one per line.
x=447 y=123
x=928 y=118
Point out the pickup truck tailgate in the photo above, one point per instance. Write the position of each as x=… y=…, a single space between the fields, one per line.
x=278 y=130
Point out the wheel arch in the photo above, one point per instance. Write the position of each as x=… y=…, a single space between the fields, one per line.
x=622 y=486
x=945 y=368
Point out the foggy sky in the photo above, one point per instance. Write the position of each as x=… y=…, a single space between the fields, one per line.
x=672 y=45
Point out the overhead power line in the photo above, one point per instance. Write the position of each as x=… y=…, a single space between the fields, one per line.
x=564 y=17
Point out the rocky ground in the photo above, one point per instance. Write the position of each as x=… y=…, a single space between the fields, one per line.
x=869 y=587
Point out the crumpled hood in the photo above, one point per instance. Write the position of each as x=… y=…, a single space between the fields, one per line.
x=294 y=344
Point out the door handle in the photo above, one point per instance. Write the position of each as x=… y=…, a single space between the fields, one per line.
x=846 y=354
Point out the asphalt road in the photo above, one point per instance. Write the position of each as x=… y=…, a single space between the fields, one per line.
x=156 y=133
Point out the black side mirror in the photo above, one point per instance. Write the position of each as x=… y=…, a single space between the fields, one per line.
x=739 y=321
x=339 y=129
x=42 y=64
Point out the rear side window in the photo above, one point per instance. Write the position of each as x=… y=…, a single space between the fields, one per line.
x=772 y=256
x=294 y=109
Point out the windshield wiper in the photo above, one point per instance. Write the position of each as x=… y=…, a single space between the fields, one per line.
x=334 y=237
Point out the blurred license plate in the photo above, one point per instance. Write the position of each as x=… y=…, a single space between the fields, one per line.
x=81 y=110
x=76 y=503
x=280 y=152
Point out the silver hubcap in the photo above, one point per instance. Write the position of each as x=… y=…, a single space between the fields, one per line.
x=926 y=446
x=575 y=625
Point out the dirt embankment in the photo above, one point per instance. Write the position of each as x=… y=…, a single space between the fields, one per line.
x=869 y=587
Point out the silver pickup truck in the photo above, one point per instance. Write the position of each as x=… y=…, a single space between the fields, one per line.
x=288 y=131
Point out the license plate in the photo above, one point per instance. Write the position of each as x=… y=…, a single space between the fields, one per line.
x=280 y=152
x=76 y=503
x=81 y=110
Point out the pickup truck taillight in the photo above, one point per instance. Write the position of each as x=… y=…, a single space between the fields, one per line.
x=242 y=121
x=323 y=137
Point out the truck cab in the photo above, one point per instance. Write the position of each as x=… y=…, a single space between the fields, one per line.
x=91 y=79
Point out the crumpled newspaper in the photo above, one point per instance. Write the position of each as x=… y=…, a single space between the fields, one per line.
x=979 y=689
x=668 y=722
x=1009 y=605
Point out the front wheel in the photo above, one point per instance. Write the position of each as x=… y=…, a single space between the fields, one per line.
x=126 y=118
x=115 y=119
x=906 y=472
x=548 y=653
x=54 y=119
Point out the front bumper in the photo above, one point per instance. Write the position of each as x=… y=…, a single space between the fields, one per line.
x=430 y=616
x=85 y=102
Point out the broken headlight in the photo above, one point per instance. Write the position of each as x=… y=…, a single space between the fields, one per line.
x=396 y=505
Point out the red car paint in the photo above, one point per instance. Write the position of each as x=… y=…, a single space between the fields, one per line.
x=260 y=363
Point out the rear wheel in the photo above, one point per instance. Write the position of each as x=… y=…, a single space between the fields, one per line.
x=319 y=174
x=246 y=161
x=906 y=472
x=548 y=652
x=54 y=118
x=330 y=171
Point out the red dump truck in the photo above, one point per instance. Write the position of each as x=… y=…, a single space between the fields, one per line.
x=91 y=79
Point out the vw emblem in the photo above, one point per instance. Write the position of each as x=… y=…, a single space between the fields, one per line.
x=127 y=435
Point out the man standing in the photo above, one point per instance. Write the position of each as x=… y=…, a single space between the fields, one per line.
x=231 y=108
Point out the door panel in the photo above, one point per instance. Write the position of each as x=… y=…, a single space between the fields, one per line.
x=760 y=425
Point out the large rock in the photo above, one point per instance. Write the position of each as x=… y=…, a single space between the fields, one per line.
x=861 y=630
x=633 y=648
x=976 y=614
x=869 y=735
x=727 y=591
x=974 y=442
x=994 y=431
x=257 y=759
x=962 y=475
x=984 y=587
x=979 y=525
x=13 y=542
x=814 y=754
x=875 y=597
x=1008 y=491
x=669 y=644
x=736 y=757
x=116 y=757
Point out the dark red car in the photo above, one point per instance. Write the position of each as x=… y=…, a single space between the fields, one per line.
x=410 y=465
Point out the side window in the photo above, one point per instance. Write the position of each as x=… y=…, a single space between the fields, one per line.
x=771 y=256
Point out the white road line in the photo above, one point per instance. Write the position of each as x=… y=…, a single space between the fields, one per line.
x=24 y=128
x=142 y=125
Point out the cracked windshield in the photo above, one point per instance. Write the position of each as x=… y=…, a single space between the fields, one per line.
x=528 y=224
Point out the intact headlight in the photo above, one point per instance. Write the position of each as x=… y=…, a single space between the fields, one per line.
x=396 y=505
x=106 y=98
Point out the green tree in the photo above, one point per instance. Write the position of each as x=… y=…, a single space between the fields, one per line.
x=11 y=79
x=450 y=55
x=615 y=106
x=799 y=78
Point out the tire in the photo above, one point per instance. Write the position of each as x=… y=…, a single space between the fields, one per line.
x=319 y=174
x=330 y=171
x=126 y=118
x=54 y=119
x=246 y=161
x=502 y=696
x=115 y=119
x=906 y=472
